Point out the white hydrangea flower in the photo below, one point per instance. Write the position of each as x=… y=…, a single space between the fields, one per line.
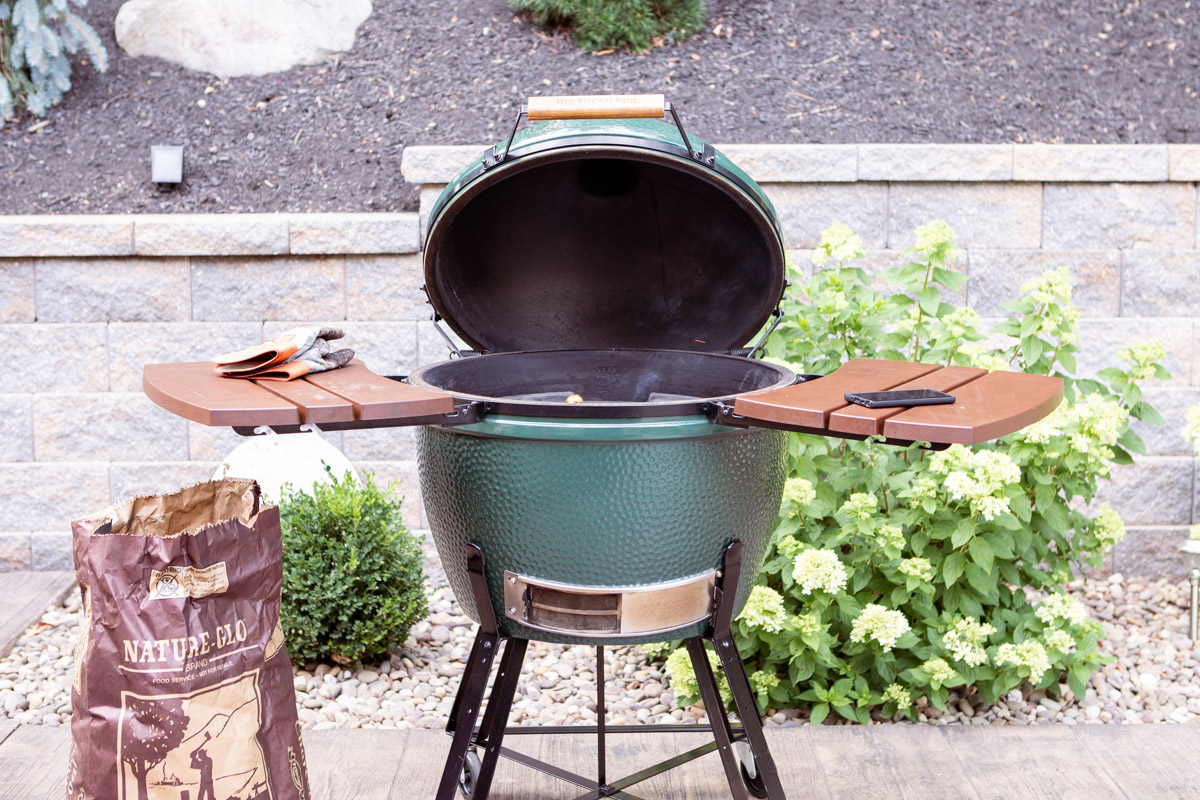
x=891 y=536
x=962 y=321
x=1191 y=430
x=797 y=493
x=937 y=669
x=1052 y=286
x=899 y=695
x=917 y=568
x=1060 y=640
x=1062 y=607
x=819 y=570
x=838 y=244
x=1194 y=531
x=1108 y=527
x=1029 y=653
x=764 y=681
x=884 y=625
x=764 y=609
x=809 y=623
x=1143 y=356
x=860 y=506
x=981 y=358
x=965 y=641
x=979 y=477
x=934 y=236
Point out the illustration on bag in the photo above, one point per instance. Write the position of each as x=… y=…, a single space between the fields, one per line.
x=193 y=747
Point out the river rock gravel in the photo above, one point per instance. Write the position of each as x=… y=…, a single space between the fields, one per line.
x=1152 y=678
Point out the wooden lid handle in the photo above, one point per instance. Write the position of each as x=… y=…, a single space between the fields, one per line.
x=597 y=106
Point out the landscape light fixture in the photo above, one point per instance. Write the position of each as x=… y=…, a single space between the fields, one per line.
x=1191 y=548
x=166 y=163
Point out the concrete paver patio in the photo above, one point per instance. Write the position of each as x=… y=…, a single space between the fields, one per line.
x=883 y=762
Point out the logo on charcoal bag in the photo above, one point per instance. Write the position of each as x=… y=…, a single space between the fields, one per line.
x=170 y=583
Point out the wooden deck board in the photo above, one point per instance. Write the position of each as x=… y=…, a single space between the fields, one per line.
x=1146 y=760
x=882 y=762
x=23 y=598
x=1049 y=761
x=33 y=763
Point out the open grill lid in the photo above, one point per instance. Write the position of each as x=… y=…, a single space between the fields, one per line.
x=603 y=233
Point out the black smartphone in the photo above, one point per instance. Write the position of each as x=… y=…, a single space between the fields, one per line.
x=899 y=397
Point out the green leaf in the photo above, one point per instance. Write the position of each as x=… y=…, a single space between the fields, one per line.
x=964 y=532
x=981 y=553
x=952 y=567
x=929 y=299
x=819 y=712
x=1077 y=678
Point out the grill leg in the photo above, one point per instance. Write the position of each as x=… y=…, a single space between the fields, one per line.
x=747 y=708
x=474 y=681
x=495 y=719
x=716 y=715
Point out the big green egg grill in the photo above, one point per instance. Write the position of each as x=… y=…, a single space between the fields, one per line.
x=606 y=276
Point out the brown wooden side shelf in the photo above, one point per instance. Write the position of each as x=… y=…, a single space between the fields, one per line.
x=987 y=405
x=346 y=395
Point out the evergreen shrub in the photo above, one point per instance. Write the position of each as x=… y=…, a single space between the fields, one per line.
x=897 y=573
x=352 y=579
x=607 y=24
x=36 y=37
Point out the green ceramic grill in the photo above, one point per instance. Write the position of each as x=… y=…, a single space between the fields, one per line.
x=606 y=275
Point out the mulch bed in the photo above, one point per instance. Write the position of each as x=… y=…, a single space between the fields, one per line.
x=330 y=137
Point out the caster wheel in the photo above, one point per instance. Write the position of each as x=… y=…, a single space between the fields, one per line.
x=470 y=775
x=750 y=777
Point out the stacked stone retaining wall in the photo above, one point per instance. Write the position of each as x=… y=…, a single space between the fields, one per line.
x=86 y=301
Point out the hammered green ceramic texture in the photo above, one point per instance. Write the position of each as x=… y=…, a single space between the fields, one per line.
x=585 y=511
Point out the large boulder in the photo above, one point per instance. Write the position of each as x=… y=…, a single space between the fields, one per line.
x=239 y=37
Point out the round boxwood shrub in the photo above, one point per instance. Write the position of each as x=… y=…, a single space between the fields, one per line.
x=352 y=579
x=605 y=24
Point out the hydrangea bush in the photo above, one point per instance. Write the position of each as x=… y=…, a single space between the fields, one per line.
x=898 y=573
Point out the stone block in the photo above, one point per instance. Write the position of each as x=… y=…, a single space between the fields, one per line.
x=1155 y=490
x=801 y=262
x=211 y=443
x=1151 y=552
x=981 y=214
x=51 y=550
x=15 y=552
x=104 y=427
x=385 y=288
x=102 y=290
x=134 y=478
x=426 y=164
x=1160 y=283
x=1172 y=402
x=311 y=288
x=408 y=485
x=381 y=444
x=427 y=197
x=934 y=162
x=1090 y=162
x=336 y=234
x=431 y=347
x=998 y=274
x=17 y=291
x=24 y=235
x=1092 y=216
x=387 y=348
x=44 y=497
x=806 y=209
x=1102 y=338
x=70 y=357
x=796 y=163
x=133 y=345
x=1183 y=162
x=16 y=427
x=211 y=234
